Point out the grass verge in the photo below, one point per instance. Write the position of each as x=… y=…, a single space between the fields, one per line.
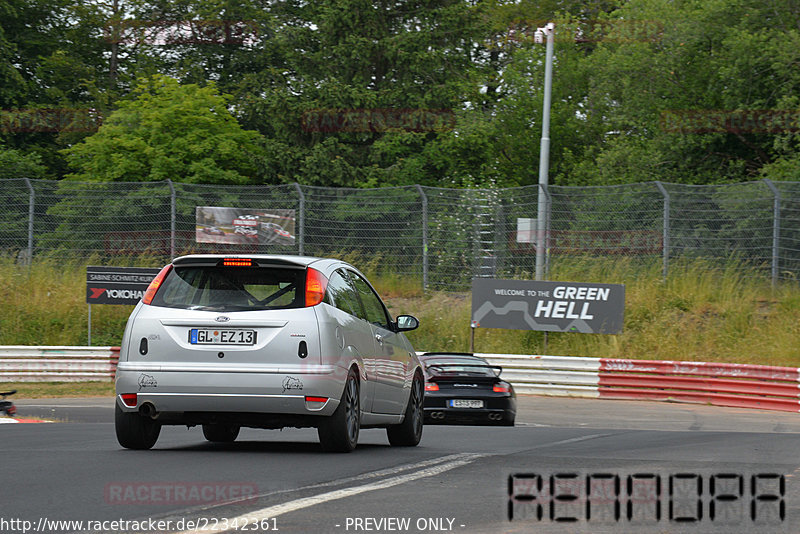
x=702 y=312
x=50 y=390
x=716 y=312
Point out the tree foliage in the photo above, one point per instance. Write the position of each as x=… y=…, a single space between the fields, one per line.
x=168 y=131
x=632 y=82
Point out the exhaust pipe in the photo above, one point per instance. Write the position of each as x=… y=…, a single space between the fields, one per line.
x=148 y=410
x=437 y=415
x=494 y=416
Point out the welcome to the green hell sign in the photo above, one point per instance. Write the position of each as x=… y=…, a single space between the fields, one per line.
x=548 y=306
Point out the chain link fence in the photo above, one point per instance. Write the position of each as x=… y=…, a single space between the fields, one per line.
x=445 y=237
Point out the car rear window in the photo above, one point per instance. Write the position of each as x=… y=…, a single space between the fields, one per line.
x=232 y=288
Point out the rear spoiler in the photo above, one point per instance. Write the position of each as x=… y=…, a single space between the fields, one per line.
x=443 y=366
x=214 y=261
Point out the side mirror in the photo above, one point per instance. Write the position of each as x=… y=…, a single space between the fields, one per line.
x=406 y=322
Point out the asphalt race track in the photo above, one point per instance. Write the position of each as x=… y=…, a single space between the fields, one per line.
x=571 y=465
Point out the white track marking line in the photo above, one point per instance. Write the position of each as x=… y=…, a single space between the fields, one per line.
x=339 y=482
x=571 y=440
x=305 y=502
x=391 y=470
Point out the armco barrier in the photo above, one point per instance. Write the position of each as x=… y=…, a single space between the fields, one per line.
x=57 y=364
x=722 y=384
x=549 y=375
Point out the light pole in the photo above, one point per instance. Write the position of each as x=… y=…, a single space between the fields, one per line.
x=544 y=154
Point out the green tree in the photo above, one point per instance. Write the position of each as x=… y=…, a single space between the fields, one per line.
x=170 y=131
x=331 y=57
x=51 y=66
x=17 y=164
x=497 y=137
x=656 y=97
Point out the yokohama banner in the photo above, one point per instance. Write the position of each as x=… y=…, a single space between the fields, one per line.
x=117 y=285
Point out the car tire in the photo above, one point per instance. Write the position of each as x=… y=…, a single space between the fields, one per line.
x=221 y=433
x=339 y=432
x=135 y=431
x=409 y=432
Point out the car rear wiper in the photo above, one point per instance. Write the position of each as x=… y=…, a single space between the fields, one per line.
x=219 y=307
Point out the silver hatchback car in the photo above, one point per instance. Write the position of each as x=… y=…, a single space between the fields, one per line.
x=266 y=342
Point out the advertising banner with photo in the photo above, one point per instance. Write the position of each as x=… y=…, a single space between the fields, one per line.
x=244 y=226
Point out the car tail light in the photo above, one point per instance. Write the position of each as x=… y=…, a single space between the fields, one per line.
x=502 y=387
x=316 y=283
x=237 y=262
x=155 y=284
x=315 y=403
x=129 y=399
x=431 y=386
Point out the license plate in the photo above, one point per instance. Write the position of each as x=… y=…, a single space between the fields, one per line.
x=466 y=403
x=203 y=336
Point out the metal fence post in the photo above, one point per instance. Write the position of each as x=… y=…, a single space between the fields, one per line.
x=477 y=252
x=424 y=237
x=665 y=237
x=172 y=217
x=547 y=229
x=499 y=234
x=31 y=206
x=541 y=217
x=544 y=149
x=300 y=219
x=776 y=228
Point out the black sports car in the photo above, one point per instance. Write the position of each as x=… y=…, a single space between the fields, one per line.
x=462 y=388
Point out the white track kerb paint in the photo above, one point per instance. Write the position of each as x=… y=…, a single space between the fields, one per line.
x=446 y=464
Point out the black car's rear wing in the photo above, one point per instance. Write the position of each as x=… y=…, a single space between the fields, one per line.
x=443 y=367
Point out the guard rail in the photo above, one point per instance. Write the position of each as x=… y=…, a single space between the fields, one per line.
x=722 y=384
x=20 y=363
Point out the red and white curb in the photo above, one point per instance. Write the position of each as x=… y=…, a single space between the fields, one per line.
x=11 y=420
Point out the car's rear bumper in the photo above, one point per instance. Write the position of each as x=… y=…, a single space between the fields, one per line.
x=447 y=416
x=247 y=389
x=496 y=411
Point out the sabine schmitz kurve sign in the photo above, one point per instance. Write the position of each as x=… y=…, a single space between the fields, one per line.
x=117 y=285
x=548 y=306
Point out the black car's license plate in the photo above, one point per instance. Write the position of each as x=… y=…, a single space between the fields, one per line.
x=207 y=336
x=466 y=403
